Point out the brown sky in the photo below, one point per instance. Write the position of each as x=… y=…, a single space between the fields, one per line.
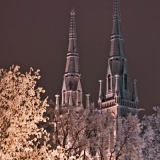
x=35 y=33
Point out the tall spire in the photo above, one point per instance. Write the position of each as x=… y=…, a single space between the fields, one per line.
x=71 y=89
x=117 y=101
x=72 y=47
x=117 y=63
x=117 y=78
x=72 y=65
x=117 y=46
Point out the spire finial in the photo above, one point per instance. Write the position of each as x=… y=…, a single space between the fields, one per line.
x=73 y=12
x=116 y=14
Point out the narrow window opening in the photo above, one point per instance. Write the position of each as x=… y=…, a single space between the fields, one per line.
x=109 y=82
x=125 y=81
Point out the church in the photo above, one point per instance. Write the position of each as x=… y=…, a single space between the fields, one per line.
x=117 y=95
x=117 y=101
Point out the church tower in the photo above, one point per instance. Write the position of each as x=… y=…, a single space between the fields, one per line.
x=71 y=89
x=117 y=78
x=117 y=101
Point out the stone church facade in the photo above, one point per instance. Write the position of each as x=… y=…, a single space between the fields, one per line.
x=117 y=77
x=117 y=101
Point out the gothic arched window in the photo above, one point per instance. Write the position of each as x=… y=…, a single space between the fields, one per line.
x=109 y=82
x=125 y=81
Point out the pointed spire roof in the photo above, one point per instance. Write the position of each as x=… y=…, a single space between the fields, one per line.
x=117 y=46
x=72 y=64
x=72 y=89
x=72 y=33
x=116 y=31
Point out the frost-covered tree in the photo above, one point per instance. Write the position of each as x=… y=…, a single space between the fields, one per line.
x=22 y=111
x=73 y=132
x=151 y=135
x=96 y=134
x=87 y=133
x=69 y=130
x=111 y=144
x=21 y=108
x=129 y=144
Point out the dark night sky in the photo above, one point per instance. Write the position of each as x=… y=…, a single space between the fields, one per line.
x=35 y=33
